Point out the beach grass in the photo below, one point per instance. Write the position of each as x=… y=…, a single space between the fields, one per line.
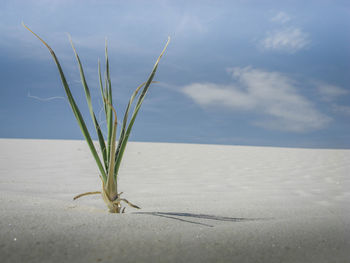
x=111 y=151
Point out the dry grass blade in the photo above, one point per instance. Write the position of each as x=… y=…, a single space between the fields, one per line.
x=87 y=193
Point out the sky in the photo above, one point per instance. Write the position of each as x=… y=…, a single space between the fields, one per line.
x=254 y=72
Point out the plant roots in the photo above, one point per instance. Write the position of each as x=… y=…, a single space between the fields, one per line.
x=114 y=206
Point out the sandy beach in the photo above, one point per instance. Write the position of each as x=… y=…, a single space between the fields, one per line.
x=200 y=203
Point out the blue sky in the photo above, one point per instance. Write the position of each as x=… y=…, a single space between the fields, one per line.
x=269 y=73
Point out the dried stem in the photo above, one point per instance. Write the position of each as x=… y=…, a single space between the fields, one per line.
x=87 y=193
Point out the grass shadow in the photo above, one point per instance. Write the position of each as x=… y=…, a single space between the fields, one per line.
x=184 y=217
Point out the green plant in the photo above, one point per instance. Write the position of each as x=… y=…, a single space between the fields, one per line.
x=111 y=152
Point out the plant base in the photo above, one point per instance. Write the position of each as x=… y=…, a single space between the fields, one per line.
x=114 y=206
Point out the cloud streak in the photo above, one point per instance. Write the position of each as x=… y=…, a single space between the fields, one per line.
x=341 y=109
x=330 y=92
x=290 y=39
x=273 y=97
x=281 y=17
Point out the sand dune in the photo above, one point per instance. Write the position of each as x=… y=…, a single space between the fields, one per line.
x=200 y=203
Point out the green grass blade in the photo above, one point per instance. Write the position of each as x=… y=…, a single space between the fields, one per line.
x=74 y=107
x=109 y=101
x=126 y=115
x=150 y=78
x=111 y=184
x=108 y=77
x=136 y=110
x=91 y=110
x=101 y=88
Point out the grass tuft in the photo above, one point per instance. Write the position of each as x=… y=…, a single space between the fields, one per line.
x=111 y=152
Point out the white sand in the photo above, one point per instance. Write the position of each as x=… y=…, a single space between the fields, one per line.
x=200 y=203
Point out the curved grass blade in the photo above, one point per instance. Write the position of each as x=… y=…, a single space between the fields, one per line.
x=87 y=193
x=74 y=107
x=126 y=115
x=91 y=110
x=136 y=110
x=125 y=120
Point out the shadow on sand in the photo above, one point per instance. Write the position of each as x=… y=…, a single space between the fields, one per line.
x=184 y=217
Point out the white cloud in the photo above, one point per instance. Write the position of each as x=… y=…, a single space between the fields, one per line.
x=341 y=109
x=214 y=94
x=289 y=39
x=269 y=94
x=281 y=17
x=330 y=92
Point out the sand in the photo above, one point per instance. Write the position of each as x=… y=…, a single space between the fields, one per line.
x=200 y=203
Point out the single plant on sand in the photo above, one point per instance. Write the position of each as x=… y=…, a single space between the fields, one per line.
x=111 y=152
